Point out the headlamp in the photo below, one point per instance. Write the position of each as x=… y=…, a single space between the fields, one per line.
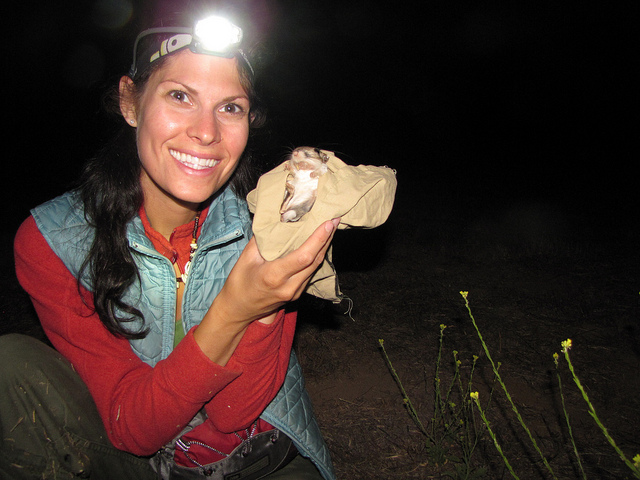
x=212 y=36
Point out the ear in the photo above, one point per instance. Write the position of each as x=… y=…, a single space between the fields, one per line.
x=127 y=100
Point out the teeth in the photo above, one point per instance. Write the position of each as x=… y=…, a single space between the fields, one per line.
x=193 y=162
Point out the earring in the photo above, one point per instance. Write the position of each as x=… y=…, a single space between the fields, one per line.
x=132 y=122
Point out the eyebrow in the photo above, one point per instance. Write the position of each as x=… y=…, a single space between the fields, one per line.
x=191 y=90
x=235 y=97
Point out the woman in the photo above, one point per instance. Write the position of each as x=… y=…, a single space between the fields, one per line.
x=173 y=333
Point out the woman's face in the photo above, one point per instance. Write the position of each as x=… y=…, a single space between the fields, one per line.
x=192 y=124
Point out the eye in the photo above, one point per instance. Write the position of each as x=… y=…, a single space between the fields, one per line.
x=232 y=109
x=179 y=96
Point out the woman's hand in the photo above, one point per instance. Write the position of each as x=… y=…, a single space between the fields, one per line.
x=256 y=289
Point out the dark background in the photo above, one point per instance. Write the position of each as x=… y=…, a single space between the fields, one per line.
x=513 y=127
x=475 y=103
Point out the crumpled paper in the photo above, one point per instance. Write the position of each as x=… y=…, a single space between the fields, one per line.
x=362 y=196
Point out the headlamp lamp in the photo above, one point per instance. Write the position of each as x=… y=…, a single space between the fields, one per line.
x=212 y=36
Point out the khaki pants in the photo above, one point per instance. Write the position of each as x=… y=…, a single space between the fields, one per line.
x=51 y=429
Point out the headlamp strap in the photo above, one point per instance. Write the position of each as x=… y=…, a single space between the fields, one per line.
x=172 y=44
x=184 y=37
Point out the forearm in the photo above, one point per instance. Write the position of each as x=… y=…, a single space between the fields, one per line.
x=148 y=406
x=141 y=407
x=263 y=357
x=218 y=337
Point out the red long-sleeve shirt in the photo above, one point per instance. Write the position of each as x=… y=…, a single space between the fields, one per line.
x=143 y=407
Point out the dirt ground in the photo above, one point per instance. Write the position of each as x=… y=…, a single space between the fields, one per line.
x=536 y=275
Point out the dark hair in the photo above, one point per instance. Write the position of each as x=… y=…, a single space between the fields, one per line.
x=111 y=193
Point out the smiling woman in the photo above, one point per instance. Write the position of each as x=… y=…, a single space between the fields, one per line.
x=192 y=127
x=172 y=333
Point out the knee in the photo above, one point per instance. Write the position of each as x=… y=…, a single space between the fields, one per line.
x=20 y=354
x=15 y=344
x=14 y=347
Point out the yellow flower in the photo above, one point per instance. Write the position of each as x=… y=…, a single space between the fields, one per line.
x=381 y=341
x=474 y=395
x=555 y=358
x=464 y=294
x=636 y=461
x=566 y=345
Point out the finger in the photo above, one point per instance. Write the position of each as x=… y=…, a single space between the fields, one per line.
x=291 y=273
x=304 y=275
x=313 y=249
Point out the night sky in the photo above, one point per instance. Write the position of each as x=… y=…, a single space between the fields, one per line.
x=486 y=101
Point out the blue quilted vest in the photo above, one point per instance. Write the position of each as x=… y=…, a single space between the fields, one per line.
x=223 y=236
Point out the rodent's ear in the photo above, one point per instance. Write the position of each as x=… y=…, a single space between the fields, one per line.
x=127 y=100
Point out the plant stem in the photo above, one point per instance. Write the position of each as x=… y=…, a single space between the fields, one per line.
x=504 y=387
x=407 y=401
x=566 y=417
x=492 y=434
x=592 y=412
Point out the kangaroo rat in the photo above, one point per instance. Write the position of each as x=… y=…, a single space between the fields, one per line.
x=305 y=165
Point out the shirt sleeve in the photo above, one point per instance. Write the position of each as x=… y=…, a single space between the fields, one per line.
x=142 y=407
x=263 y=357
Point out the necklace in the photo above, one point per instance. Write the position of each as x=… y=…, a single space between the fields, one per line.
x=194 y=246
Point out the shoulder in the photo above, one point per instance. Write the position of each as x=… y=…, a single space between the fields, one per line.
x=61 y=212
x=62 y=224
x=28 y=238
x=33 y=255
x=58 y=213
